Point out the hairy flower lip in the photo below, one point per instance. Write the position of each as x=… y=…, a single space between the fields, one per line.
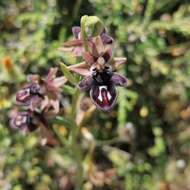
x=106 y=100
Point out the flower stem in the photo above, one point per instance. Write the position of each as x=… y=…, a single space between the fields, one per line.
x=75 y=148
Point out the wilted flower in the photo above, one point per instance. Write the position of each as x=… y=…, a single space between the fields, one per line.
x=40 y=93
x=52 y=83
x=23 y=121
x=30 y=95
x=52 y=91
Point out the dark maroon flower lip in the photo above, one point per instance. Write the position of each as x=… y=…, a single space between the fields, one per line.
x=104 y=97
x=101 y=85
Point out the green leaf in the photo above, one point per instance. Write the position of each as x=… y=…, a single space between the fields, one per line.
x=68 y=89
x=71 y=78
x=63 y=121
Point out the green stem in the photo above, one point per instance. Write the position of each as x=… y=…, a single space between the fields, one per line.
x=74 y=104
x=78 y=157
x=75 y=148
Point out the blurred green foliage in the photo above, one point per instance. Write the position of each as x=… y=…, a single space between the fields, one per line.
x=155 y=38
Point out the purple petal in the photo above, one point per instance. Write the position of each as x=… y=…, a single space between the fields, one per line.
x=51 y=74
x=78 y=51
x=76 y=30
x=81 y=68
x=86 y=83
x=118 y=61
x=34 y=103
x=106 y=39
x=88 y=58
x=119 y=80
x=104 y=97
x=99 y=45
x=73 y=43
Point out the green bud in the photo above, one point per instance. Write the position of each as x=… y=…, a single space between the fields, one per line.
x=93 y=26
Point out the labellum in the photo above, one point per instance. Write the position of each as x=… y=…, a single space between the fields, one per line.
x=103 y=93
x=22 y=121
x=101 y=84
x=104 y=97
x=101 y=87
x=25 y=94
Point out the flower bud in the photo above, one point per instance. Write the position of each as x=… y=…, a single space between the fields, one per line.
x=93 y=25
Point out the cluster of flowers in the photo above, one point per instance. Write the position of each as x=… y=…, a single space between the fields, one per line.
x=40 y=98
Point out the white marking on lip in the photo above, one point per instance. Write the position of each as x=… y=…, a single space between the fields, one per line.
x=109 y=95
x=100 y=96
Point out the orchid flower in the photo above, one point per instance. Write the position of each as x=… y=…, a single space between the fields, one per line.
x=99 y=76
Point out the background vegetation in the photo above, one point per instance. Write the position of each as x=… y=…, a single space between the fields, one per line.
x=145 y=141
